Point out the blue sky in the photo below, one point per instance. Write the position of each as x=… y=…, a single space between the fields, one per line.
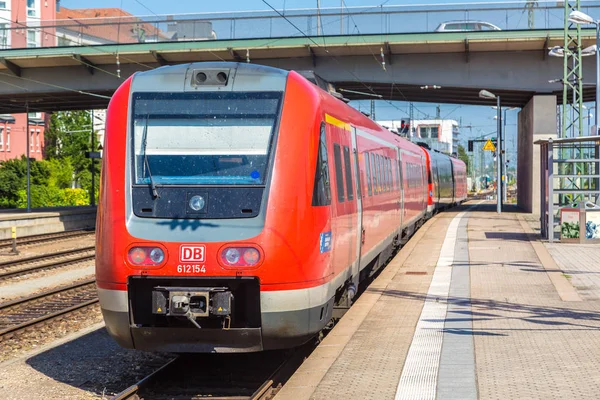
x=479 y=119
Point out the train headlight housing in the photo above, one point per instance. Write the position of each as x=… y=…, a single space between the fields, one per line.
x=137 y=255
x=232 y=256
x=157 y=255
x=146 y=256
x=240 y=256
x=251 y=256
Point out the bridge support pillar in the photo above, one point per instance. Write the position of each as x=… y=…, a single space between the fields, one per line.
x=537 y=120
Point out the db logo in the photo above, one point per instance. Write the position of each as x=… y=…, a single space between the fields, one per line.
x=191 y=253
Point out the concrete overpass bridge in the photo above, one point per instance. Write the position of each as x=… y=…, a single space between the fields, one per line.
x=512 y=63
x=389 y=51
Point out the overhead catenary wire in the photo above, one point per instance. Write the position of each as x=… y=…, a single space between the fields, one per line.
x=375 y=57
x=327 y=51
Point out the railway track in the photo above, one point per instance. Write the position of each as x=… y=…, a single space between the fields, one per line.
x=220 y=376
x=10 y=269
x=17 y=315
x=29 y=240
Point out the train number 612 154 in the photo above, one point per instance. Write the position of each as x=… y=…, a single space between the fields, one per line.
x=191 y=269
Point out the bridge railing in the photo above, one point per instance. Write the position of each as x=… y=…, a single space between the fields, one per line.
x=274 y=25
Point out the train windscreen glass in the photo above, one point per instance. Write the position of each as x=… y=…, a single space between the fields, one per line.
x=222 y=138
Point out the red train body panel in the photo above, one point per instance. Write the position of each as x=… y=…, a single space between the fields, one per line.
x=237 y=210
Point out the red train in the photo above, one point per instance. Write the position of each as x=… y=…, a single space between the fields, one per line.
x=241 y=205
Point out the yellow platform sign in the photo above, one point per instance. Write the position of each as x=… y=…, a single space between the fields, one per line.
x=489 y=146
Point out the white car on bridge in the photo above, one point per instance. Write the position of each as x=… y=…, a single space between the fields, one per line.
x=466 y=26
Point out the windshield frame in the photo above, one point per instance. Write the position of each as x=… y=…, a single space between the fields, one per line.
x=144 y=96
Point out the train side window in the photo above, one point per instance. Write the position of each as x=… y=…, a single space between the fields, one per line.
x=380 y=188
x=400 y=175
x=388 y=165
x=389 y=172
x=368 y=169
x=380 y=170
x=383 y=176
x=392 y=180
x=397 y=165
x=374 y=172
x=339 y=175
x=386 y=179
x=348 y=169
x=322 y=189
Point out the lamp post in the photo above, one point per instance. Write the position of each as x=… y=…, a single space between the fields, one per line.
x=504 y=153
x=484 y=94
x=28 y=157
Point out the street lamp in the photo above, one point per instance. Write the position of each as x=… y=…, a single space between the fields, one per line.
x=484 y=94
x=580 y=18
x=505 y=165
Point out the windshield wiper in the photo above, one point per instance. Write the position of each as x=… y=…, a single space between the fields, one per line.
x=145 y=144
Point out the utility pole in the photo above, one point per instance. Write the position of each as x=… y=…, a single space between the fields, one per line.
x=437 y=112
x=341 y=17
x=93 y=202
x=373 y=110
x=28 y=157
x=572 y=121
x=319 y=29
x=530 y=6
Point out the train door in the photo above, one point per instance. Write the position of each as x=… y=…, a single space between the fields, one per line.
x=452 y=174
x=360 y=233
x=401 y=184
x=436 y=183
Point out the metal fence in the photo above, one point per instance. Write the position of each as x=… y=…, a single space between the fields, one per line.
x=570 y=178
x=272 y=25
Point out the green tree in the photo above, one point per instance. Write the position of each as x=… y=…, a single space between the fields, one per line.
x=463 y=156
x=13 y=176
x=68 y=138
x=61 y=172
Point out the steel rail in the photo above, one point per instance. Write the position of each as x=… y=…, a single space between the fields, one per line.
x=136 y=387
x=45 y=256
x=44 y=294
x=24 y=271
x=50 y=316
x=27 y=240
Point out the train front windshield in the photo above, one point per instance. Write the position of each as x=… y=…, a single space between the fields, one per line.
x=222 y=138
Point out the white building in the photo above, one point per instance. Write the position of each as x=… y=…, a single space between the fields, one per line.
x=439 y=134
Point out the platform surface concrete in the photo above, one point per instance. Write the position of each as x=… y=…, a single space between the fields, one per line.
x=520 y=319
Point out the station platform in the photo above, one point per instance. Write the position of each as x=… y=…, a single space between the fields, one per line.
x=46 y=220
x=474 y=306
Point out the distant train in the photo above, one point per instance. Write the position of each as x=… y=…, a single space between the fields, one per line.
x=241 y=205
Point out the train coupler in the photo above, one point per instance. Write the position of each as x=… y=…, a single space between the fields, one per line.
x=193 y=303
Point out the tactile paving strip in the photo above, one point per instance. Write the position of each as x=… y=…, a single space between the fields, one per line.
x=420 y=372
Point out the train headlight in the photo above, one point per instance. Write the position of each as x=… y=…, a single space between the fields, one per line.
x=157 y=255
x=197 y=203
x=146 y=256
x=232 y=256
x=137 y=255
x=240 y=256
x=251 y=256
